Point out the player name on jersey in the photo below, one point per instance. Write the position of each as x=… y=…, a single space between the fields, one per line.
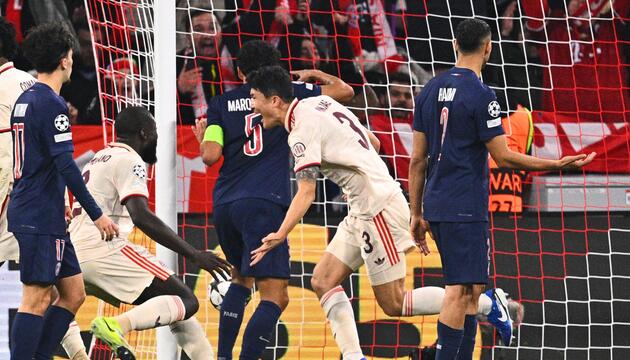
x=446 y=94
x=240 y=105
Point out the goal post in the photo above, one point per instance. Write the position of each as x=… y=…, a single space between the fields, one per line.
x=165 y=169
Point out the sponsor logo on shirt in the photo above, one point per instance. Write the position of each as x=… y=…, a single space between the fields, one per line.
x=62 y=123
x=298 y=150
x=140 y=171
x=20 y=110
x=63 y=137
x=494 y=109
x=494 y=122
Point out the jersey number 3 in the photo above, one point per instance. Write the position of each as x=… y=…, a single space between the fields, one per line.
x=254 y=144
x=18 y=149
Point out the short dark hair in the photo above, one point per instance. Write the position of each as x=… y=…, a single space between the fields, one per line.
x=198 y=12
x=8 y=43
x=255 y=54
x=399 y=78
x=47 y=44
x=470 y=34
x=131 y=120
x=272 y=80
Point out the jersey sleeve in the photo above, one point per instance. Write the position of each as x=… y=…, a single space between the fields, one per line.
x=305 y=144
x=488 y=116
x=418 y=125
x=55 y=125
x=302 y=90
x=213 y=114
x=131 y=178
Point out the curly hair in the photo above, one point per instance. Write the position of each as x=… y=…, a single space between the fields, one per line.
x=255 y=54
x=8 y=43
x=47 y=44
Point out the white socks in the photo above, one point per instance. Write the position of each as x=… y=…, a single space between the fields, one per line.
x=155 y=312
x=427 y=300
x=73 y=344
x=191 y=337
x=339 y=312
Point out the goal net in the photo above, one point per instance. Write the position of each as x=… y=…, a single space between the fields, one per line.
x=560 y=241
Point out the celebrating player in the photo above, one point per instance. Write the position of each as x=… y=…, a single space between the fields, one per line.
x=325 y=136
x=119 y=271
x=456 y=123
x=251 y=196
x=13 y=82
x=42 y=167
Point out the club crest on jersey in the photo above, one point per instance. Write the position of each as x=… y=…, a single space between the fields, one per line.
x=494 y=109
x=140 y=171
x=298 y=150
x=62 y=123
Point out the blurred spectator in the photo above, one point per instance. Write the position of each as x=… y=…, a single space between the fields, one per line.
x=393 y=127
x=578 y=40
x=82 y=91
x=203 y=67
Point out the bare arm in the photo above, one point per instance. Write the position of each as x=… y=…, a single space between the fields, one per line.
x=157 y=230
x=507 y=158
x=331 y=85
x=417 y=177
x=376 y=143
x=210 y=151
x=307 y=184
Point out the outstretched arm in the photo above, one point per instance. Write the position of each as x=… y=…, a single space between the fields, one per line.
x=307 y=184
x=157 y=230
x=507 y=158
x=331 y=85
x=210 y=141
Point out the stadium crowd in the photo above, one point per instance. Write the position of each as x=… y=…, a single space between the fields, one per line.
x=385 y=49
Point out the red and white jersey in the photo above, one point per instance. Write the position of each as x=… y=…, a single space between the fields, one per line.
x=325 y=133
x=13 y=83
x=113 y=175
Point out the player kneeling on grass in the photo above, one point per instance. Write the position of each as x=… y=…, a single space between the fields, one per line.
x=325 y=136
x=119 y=271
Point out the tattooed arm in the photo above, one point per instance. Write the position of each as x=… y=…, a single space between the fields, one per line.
x=307 y=184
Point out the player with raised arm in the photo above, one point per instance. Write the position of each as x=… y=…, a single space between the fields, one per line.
x=13 y=82
x=119 y=271
x=325 y=136
x=251 y=197
x=42 y=167
x=456 y=123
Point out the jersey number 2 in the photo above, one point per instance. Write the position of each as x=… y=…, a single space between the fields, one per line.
x=18 y=149
x=254 y=144
x=443 y=123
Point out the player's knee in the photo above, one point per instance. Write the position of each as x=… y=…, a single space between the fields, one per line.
x=191 y=304
x=321 y=284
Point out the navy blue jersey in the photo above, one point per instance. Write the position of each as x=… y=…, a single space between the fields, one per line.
x=255 y=161
x=41 y=131
x=458 y=114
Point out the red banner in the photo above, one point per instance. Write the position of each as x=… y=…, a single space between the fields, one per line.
x=558 y=135
x=555 y=136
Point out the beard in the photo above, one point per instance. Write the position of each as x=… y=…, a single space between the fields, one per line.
x=149 y=154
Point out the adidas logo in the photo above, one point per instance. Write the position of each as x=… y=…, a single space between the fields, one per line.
x=379 y=261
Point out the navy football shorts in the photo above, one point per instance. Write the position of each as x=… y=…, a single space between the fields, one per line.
x=464 y=250
x=241 y=225
x=44 y=259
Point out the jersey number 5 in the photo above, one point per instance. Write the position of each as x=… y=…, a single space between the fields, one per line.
x=18 y=149
x=254 y=144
